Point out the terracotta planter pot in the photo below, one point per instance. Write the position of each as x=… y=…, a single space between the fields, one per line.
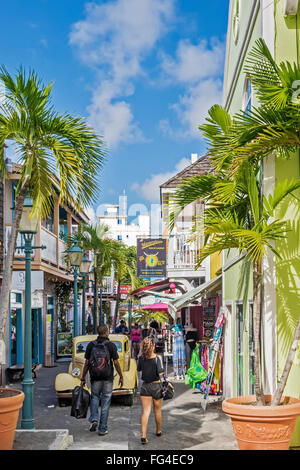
x=262 y=427
x=11 y=401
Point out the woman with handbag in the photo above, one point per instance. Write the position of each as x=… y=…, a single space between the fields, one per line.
x=151 y=391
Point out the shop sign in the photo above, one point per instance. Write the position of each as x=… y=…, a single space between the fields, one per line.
x=37 y=299
x=64 y=344
x=18 y=280
x=151 y=257
x=125 y=289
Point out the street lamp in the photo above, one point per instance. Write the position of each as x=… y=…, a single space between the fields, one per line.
x=28 y=227
x=75 y=255
x=84 y=270
x=92 y=279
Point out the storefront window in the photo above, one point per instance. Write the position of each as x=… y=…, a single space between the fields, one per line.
x=15 y=328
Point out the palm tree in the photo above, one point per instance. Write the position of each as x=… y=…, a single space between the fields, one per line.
x=53 y=149
x=95 y=238
x=244 y=220
x=125 y=268
x=246 y=139
x=272 y=127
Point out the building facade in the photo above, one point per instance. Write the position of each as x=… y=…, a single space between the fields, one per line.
x=48 y=268
x=115 y=216
x=248 y=21
x=183 y=252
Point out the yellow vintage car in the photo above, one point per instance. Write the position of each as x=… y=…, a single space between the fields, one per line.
x=66 y=382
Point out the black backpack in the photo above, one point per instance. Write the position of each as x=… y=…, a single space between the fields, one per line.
x=99 y=362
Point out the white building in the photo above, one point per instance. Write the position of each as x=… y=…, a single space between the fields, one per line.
x=115 y=216
x=182 y=253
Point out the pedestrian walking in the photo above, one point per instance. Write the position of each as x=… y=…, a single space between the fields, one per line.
x=145 y=331
x=156 y=333
x=122 y=328
x=151 y=390
x=136 y=338
x=100 y=356
x=179 y=357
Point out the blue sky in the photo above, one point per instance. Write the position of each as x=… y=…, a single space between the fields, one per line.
x=143 y=72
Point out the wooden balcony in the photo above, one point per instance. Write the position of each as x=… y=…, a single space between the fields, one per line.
x=182 y=253
x=51 y=259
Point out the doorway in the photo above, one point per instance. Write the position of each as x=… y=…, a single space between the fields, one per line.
x=239 y=348
x=251 y=350
x=16 y=329
x=37 y=336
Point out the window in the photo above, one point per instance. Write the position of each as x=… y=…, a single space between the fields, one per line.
x=119 y=237
x=247 y=101
x=236 y=20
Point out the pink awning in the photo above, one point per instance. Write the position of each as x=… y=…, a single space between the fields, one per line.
x=158 y=306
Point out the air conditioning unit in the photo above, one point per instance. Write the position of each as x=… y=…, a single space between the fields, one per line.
x=290 y=7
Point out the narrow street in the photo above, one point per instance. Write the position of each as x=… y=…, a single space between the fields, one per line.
x=185 y=425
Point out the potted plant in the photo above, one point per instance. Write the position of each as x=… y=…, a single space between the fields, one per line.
x=238 y=215
x=11 y=401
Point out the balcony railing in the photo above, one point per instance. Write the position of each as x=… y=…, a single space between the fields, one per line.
x=182 y=253
x=52 y=254
x=108 y=285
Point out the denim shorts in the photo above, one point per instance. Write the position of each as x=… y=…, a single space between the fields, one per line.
x=152 y=389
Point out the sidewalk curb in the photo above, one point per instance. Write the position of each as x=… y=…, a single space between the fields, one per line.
x=42 y=439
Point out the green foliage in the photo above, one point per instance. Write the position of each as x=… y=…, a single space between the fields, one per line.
x=53 y=149
x=63 y=291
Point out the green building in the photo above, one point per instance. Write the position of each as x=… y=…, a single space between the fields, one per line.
x=278 y=23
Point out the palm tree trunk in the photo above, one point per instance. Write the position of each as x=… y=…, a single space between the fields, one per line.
x=8 y=259
x=287 y=368
x=257 y=305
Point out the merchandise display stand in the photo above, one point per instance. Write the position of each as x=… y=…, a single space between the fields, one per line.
x=215 y=347
x=167 y=355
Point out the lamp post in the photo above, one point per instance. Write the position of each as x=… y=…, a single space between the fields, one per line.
x=92 y=280
x=28 y=228
x=100 y=309
x=84 y=270
x=129 y=314
x=75 y=257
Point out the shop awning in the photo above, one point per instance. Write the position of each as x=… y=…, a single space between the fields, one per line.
x=156 y=287
x=190 y=296
x=156 y=307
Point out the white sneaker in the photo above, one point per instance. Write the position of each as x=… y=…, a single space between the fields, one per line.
x=93 y=426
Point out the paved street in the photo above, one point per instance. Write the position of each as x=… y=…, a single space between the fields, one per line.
x=185 y=425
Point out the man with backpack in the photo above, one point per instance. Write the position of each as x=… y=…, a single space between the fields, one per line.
x=100 y=356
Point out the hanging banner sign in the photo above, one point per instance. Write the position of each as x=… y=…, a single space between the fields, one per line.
x=151 y=257
x=125 y=289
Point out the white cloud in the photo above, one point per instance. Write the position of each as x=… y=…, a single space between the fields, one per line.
x=114 y=38
x=149 y=189
x=198 y=69
x=192 y=108
x=194 y=62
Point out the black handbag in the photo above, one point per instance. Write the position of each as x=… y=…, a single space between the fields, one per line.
x=80 y=402
x=167 y=389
